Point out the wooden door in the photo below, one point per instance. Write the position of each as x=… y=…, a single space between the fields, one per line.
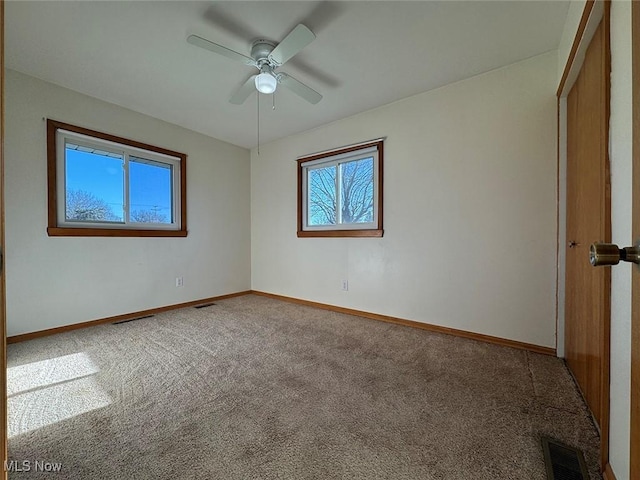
x=587 y=309
x=635 y=285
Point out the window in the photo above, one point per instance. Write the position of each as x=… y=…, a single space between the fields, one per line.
x=340 y=192
x=101 y=185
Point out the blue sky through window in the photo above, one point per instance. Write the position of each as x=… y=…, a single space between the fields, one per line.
x=150 y=189
x=101 y=175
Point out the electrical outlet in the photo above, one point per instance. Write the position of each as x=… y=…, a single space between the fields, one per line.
x=179 y=282
x=345 y=285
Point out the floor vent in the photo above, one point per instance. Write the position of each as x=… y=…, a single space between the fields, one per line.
x=132 y=319
x=563 y=462
x=204 y=305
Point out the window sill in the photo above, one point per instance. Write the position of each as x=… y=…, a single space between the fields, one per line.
x=340 y=233
x=112 y=232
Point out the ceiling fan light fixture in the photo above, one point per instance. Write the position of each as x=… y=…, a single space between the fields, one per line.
x=266 y=83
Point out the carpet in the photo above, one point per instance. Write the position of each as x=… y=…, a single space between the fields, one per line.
x=256 y=388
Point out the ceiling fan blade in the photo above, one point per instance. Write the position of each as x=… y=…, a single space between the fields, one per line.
x=220 y=50
x=297 y=39
x=246 y=89
x=299 y=88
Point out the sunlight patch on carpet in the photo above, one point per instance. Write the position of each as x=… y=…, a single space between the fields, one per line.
x=49 y=372
x=46 y=392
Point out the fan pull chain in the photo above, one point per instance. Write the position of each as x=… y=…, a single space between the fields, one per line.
x=258 y=97
x=274 y=101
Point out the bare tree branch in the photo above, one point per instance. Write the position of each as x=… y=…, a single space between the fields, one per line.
x=84 y=206
x=152 y=215
x=356 y=198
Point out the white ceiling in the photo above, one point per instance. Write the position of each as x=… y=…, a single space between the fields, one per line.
x=366 y=54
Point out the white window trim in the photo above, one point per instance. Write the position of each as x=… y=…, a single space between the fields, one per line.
x=336 y=160
x=64 y=136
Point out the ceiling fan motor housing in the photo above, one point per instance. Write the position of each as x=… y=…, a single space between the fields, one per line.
x=260 y=50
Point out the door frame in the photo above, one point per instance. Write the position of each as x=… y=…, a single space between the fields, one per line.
x=634 y=446
x=594 y=11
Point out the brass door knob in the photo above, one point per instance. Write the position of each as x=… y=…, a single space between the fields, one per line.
x=602 y=254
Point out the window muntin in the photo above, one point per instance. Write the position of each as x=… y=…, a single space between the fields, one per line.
x=106 y=184
x=340 y=192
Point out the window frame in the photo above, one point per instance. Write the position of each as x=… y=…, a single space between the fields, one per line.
x=57 y=224
x=337 y=157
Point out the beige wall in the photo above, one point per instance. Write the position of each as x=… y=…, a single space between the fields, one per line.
x=469 y=185
x=54 y=281
x=621 y=198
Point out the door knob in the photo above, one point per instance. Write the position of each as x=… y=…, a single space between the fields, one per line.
x=601 y=254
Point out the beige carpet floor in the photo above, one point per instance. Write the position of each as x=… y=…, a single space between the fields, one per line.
x=255 y=388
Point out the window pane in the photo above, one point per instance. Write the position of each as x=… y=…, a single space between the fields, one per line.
x=150 y=191
x=94 y=183
x=321 y=193
x=357 y=191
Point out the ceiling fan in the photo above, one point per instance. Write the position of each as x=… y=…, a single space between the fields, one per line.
x=267 y=56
